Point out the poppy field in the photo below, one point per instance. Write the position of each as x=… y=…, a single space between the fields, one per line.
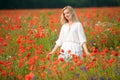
x=27 y=36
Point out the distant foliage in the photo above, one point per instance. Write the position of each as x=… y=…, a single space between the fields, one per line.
x=15 y=4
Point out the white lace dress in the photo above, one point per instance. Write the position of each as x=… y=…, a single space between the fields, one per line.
x=71 y=39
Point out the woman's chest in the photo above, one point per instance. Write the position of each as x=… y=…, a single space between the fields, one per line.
x=69 y=30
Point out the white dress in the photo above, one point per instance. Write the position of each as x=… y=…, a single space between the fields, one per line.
x=71 y=39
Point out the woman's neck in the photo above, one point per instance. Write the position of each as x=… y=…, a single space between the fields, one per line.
x=70 y=22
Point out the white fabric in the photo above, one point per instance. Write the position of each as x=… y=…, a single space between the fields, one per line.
x=68 y=56
x=71 y=38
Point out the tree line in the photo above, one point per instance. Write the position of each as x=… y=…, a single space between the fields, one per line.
x=22 y=4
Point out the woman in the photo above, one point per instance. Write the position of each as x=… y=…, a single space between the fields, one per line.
x=71 y=38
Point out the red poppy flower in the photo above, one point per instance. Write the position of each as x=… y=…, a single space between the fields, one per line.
x=72 y=68
x=84 y=55
x=62 y=51
x=61 y=59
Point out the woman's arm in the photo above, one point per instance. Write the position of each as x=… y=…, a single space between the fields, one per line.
x=54 y=49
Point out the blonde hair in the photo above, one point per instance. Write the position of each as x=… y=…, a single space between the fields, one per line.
x=72 y=12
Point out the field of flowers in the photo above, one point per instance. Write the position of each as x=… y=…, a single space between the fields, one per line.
x=27 y=36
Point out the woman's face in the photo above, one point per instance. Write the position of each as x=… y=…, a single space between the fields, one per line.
x=67 y=14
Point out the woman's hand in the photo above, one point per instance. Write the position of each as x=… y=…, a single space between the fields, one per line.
x=49 y=54
x=90 y=55
x=86 y=49
x=53 y=51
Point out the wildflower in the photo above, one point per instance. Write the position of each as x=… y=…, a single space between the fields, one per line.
x=5 y=43
x=22 y=49
x=32 y=61
x=29 y=76
x=43 y=74
x=62 y=51
x=18 y=26
x=20 y=40
x=4 y=73
x=21 y=63
x=75 y=60
x=1 y=51
x=96 y=50
x=102 y=54
x=88 y=15
x=118 y=19
x=74 y=56
x=91 y=78
x=12 y=73
x=101 y=78
x=8 y=38
x=77 y=75
x=103 y=41
x=30 y=41
x=61 y=59
x=28 y=55
x=115 y=53
x=31 y=67
x=84 y=69
x=34 y=78
x=104 y=67
x=1 y=40
x=64 y=65
x=42 y=67
x=1 y=62
x=69 y=51
x=8 y=64
x=84 y=55
x=79 y=63
x=106 y=50
x=19 y=77
x=71 y=68
x=110 y=61
x=36 y=57
x=108 y=78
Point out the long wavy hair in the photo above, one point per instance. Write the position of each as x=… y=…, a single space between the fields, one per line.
x=72 y=12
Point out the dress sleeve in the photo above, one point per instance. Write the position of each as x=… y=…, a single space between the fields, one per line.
x=81 y=34
x=60 y=38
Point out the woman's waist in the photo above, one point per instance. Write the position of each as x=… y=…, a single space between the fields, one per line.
x=71 y=43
